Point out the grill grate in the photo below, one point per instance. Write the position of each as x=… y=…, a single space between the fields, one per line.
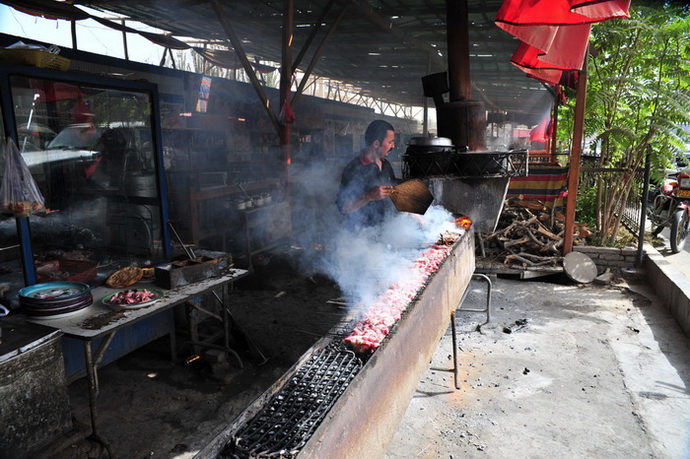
x=287 y=421
x=465 y=164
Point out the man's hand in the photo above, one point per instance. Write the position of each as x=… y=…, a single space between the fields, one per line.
x=374 y=194
x=379 y=192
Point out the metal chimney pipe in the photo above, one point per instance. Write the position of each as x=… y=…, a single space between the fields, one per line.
x=462 y=120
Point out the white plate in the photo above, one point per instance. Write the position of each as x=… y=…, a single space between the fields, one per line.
x=158 y=294
x=61 y=315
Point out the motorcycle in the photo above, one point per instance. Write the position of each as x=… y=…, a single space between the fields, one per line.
x=670 y=208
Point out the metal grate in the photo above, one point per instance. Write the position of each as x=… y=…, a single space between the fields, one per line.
x=465 y=164
x=287 y=421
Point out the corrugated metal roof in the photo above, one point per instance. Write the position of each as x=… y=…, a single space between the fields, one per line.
x=383 y=47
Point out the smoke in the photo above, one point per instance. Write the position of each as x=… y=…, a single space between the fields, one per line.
x=363 y=263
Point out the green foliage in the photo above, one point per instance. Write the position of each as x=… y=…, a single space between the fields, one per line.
x=587 y=206
x=638 y=97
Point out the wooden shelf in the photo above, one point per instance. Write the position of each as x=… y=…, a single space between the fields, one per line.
x=209 y=214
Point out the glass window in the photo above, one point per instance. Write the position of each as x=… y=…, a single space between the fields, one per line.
x=91 y=151
x=10 y=266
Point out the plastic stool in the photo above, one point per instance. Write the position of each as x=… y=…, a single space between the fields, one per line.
x=486 y=310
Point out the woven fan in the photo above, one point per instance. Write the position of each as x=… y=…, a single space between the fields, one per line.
x=412 y=196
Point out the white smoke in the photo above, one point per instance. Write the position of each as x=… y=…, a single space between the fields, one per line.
x=365 y=263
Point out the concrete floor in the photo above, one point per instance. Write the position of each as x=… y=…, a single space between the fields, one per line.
x=597 y=371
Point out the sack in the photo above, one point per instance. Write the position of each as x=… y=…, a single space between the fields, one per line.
x=19 y=193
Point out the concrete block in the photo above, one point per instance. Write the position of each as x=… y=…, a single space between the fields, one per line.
x=611 y=256
x=629 y=252
x=670 y=285
x=588 y=249
x=618 y=263
x=609 y=250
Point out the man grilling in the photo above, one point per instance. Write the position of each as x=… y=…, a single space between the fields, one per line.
x=367 y=180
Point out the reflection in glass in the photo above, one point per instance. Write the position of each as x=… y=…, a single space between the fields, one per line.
x=91 y=151
x=11 y=275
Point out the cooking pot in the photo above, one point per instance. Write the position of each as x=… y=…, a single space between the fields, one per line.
x=430 y=141
x=427 y=156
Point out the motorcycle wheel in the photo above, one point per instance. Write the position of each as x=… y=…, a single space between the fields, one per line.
x=679 y=230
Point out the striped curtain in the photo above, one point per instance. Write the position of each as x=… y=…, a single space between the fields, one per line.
x=546 y=184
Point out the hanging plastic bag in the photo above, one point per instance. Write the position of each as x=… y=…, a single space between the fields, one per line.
x=19 y=193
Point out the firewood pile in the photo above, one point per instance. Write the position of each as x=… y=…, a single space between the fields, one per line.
x=528 y=234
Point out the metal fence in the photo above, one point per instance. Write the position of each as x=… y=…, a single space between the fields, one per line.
x=632 y=211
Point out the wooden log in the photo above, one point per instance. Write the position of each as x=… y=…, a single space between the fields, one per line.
x=542 y=230
x=511 y=243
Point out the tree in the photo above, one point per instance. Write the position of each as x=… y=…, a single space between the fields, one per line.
x=638 y=97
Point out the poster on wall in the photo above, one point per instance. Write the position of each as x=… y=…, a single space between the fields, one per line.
x=204 y=92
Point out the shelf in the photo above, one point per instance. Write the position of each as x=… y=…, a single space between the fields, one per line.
x=229 y=190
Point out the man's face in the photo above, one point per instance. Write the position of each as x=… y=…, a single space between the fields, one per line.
x=384 y=147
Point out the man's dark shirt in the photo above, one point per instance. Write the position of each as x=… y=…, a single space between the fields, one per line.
x=358 y=177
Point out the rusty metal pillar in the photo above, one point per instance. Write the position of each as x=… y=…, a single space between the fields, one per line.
x=285 y=85
x=554 y=127
x=575 y=156
x=462 y=120
x=286 y=76
x=458 y=41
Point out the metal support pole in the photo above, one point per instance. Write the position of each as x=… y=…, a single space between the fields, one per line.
x=93 y=395
x=458 y=40
x=24 y=234
x=575 y=156
x=487 y=310
x=93 y=386
x=643 y=217
x=231 y=320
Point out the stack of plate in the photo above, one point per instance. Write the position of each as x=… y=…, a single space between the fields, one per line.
x=52 y=300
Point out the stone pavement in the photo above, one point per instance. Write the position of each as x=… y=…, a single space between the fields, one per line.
x=680 y=261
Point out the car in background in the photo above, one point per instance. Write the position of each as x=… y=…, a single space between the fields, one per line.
x=34 y=137
x=77 y=141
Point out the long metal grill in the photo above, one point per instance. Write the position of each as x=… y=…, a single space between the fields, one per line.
x=287 y=421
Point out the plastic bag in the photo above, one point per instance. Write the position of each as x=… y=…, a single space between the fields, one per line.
x=19 y=193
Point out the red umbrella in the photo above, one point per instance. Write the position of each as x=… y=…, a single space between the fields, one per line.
x=558 y=29
x=554 y=35
x=527 y=59
x=602 y=9
x=542 y=131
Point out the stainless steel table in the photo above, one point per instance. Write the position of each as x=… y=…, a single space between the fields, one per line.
x=102 y=321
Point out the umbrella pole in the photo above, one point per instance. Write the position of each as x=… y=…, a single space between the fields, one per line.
x=28 y=122
x=553 y=147
x=575 y=156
